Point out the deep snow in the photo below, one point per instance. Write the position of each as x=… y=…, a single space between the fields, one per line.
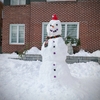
x=19 y=80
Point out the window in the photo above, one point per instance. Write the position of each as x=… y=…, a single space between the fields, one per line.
x=18 y=2
x=17 y=33
x=69 y=29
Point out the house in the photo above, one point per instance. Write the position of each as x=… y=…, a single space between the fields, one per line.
x=1 y=7
x=25 y=21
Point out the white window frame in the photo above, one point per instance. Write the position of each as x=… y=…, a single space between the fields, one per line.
x=18 y=3
x=66 y=23
x=16 y=43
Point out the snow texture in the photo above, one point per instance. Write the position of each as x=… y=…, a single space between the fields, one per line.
x=19 y=81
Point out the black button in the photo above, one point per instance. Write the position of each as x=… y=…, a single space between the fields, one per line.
x=54 y=53
x=54 y=69
x=53 y=64
x=53 y=46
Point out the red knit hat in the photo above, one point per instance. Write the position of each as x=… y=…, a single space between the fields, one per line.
x=54 y=17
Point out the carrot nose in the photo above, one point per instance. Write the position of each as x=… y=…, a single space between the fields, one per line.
x=52 y=26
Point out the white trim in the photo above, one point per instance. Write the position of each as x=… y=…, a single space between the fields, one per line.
x=65 y=30
x=77 y=30
x=17 y=34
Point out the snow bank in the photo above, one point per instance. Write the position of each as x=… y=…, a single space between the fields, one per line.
x=84 y=53
x=33 y=50
x=96 y=53
x=81 y=53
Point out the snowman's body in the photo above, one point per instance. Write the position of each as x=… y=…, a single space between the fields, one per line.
x=55 y=51
x=54 y=67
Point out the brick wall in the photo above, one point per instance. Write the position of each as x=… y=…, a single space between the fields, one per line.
x=86 y=12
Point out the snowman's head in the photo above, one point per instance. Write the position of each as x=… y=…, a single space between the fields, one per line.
x=54 y=26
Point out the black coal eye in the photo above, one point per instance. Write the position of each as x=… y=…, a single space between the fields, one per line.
x=50 y=25
x=56 y=24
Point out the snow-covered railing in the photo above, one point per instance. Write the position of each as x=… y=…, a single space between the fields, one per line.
x=32 y=57
x=99 y=60
x=78 y=59
x=69 y=59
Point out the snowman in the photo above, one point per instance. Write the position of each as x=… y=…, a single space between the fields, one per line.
x=54 y=73
x=54 y=52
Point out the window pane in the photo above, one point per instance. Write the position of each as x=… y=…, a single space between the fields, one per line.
x=45 y=31
x=14 y=2
x=21 y=34
x=63 y=30
x=21 y=40
x=72 y=30
x=22 y=2
x=13 y=34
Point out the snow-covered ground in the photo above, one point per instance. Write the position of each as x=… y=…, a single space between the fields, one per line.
x=19 y=80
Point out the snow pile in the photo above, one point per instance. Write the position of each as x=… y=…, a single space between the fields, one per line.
x=96 y=53
x=84 y=53
x=33 y=50
x=5 y=56
x=81 y=53
x=14 y=55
